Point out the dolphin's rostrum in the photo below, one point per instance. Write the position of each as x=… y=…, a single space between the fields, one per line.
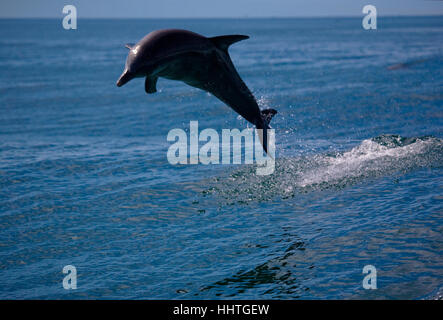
x=198 y=61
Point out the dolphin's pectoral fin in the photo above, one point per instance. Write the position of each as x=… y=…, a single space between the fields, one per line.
x=151 y=84
x=223 y=42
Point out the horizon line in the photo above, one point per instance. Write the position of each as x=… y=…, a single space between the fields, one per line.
x=232 y=17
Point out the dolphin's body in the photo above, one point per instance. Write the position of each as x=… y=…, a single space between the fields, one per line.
x=199 y=62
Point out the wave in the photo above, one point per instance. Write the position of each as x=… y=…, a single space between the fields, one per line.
x=275 y=278
x=373 y=158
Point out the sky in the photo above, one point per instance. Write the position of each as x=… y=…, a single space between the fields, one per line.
x=214 y=8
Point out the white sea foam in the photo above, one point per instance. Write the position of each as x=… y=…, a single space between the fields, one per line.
x=372 y=158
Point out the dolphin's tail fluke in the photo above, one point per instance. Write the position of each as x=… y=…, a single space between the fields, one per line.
x=266 y=117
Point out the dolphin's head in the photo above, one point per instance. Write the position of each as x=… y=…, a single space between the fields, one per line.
x=145 y=58
x=135 y=65
x=125 y=77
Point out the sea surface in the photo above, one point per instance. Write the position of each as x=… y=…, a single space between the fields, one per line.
x=85 y=180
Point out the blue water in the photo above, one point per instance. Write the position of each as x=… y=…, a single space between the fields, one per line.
x=85 y=180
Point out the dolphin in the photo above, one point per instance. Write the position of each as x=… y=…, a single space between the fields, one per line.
x=406 y=64
x=200 y=62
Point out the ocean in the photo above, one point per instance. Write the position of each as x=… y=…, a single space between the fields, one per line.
x=85 y=180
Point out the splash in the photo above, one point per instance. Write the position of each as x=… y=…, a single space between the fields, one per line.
x=372 y=158
x=375 y=157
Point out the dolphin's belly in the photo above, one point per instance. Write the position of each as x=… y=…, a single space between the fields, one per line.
x=213 y=73
x=192 y=68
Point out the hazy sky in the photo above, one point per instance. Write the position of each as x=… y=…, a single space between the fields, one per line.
x=215 y=8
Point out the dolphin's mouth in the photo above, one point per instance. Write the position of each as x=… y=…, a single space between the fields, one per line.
x=125 y=77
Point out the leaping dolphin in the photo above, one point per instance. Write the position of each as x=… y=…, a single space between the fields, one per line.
x=198 y=61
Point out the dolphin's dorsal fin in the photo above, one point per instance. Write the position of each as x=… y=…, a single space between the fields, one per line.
x=223 y=42
x=129 y=45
